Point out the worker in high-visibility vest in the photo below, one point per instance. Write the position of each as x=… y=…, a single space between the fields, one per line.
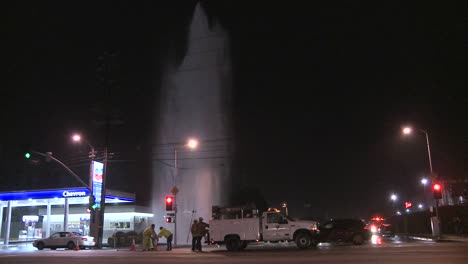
x=163 y=232
x=148 y=235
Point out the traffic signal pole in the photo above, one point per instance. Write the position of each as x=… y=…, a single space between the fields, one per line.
x=175 y=198
x=49 y=156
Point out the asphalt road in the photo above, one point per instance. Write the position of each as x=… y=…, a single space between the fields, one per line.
x=389 y=252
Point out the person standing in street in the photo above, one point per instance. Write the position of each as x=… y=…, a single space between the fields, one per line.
x=195 y=235
x=148 y=235
x=202 y=230
x=163 y=232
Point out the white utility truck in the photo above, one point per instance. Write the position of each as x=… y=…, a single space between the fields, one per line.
x=236 y=227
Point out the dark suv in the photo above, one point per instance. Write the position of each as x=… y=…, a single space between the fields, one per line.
x=344 y=230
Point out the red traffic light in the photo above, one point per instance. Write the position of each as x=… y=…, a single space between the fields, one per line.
x=437 y=190
x=168 y=219
x=169 y=203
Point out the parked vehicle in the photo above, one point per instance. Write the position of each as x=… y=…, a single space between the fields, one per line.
x=236 y=229
x=344 y=230
x=378 y=226
x=65 y=240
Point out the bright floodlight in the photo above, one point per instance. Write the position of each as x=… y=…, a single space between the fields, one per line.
x=393 y=197
x=407 y=130
x=76 y=137
x=424 y=181
x=192 y=143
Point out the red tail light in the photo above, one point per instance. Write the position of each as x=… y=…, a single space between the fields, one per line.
x=94 y=240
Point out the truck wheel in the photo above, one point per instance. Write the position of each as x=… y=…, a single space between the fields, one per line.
x=303 y=241
x=233 y=244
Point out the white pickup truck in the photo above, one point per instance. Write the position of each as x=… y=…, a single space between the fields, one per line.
x=236 y=232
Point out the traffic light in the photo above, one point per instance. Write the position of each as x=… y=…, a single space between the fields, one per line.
x=92 y=204
x=168 y=219
x=437 y=190
x=26 y=148
x=169 y=203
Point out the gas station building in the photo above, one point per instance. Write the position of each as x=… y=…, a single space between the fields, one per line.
x=33 y=214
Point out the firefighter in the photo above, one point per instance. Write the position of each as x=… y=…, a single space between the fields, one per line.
x=195 y=235
x=202 y=231
x=148 y=235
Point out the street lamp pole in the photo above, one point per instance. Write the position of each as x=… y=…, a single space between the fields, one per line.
x=175 y=196
x=94 y=227
x=408 y=130
x=192 y=144
x=428 y=150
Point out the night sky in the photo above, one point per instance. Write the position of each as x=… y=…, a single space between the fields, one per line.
x=321 y=91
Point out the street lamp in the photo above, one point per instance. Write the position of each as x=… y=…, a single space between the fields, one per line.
x=407 y=131
x=424 y=181
x=92 y=154
x=393 y=198
x=96 y=227
x=191 y=144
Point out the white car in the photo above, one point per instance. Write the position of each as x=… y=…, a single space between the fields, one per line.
x=65 y=240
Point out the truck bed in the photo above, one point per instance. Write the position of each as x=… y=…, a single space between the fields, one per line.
x=246 y=228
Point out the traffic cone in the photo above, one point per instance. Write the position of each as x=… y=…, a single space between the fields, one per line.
x=77 y=246
x=133 y=247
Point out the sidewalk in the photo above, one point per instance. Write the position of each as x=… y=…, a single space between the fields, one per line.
x=443 y=238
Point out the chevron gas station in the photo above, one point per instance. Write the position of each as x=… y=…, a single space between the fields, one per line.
x=31 y=214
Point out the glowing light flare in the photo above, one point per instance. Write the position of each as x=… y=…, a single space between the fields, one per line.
x=436 y=187
x=393 y=197
x=192 y=143
x=424 y=181
x=76 y=138
x=376 y=240
x=407 y=130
